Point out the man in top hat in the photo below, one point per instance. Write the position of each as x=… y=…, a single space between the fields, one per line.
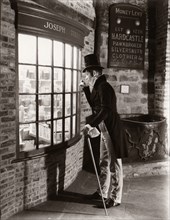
x=113 y=145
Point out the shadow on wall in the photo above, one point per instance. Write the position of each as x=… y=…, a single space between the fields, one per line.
x=55 y=173
x=39 y=179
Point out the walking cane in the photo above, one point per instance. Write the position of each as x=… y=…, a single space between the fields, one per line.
x=91 y=151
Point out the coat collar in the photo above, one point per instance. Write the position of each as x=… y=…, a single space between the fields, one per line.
x=101 y=79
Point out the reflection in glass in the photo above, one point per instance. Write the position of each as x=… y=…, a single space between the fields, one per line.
x=74 y=81
x=74 y=103
x=44 y=80
x=68 y=55
x=58 y=106
x=27 y=48
x=27 y=79
x=58 y=53
x=44 y=102
x=67 y=128
x=44 y=134
x=44 y=51
x=67 y=104
x=58 y=80
x=75 y=51
x=74 y=125
x=27 y=108
x=26 y=138
x=68 y=81
x=57 y=131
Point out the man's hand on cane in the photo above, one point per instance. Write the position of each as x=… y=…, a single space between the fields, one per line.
x=91 y=131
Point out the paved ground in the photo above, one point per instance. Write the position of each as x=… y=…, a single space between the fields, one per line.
x=144 y=198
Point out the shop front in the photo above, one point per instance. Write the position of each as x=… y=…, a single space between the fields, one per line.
x=49 y=51
x=41 y=140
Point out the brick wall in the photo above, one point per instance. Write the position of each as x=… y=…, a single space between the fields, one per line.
x=162 y=67
x=161 y=44
x=7 y=110
x=27 y=183
x=167 y=79
x=40 y=178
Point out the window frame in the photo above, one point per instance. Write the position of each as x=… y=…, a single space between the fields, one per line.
x=32 y=19
x=65 y=143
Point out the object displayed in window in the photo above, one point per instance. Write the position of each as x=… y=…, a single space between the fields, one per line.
x=48 y=76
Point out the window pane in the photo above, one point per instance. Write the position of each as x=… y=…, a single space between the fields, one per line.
x=27 y=109
x=41 y=100
x=67 y=128
x=27 y=134
x=67 y=104
x=68 y=55
x=74 y=80
x=27 y=79
x=44 y=51
x=74 y=125
x=44 y=134
x=58 y=80
x=58 y=53
x=57 y=131
x=44 y=80
x=75 y=55
x=44 y=102
x=68 y=81
x=27 y=49
x=74 y=103
x=58 y=106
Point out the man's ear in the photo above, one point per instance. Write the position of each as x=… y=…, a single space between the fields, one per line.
x=95 y=73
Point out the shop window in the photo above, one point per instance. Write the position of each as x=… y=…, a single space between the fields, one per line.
x=48 y=76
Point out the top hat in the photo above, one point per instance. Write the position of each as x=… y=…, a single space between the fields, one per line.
x=91 y=61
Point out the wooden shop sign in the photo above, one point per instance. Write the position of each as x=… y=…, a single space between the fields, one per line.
x=35 y=19
x=126 y=45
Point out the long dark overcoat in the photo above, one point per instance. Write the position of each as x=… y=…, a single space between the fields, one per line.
x=102 y=100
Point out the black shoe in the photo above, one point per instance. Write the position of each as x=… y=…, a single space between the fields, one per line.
x=109 y=203
x=94 y=196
